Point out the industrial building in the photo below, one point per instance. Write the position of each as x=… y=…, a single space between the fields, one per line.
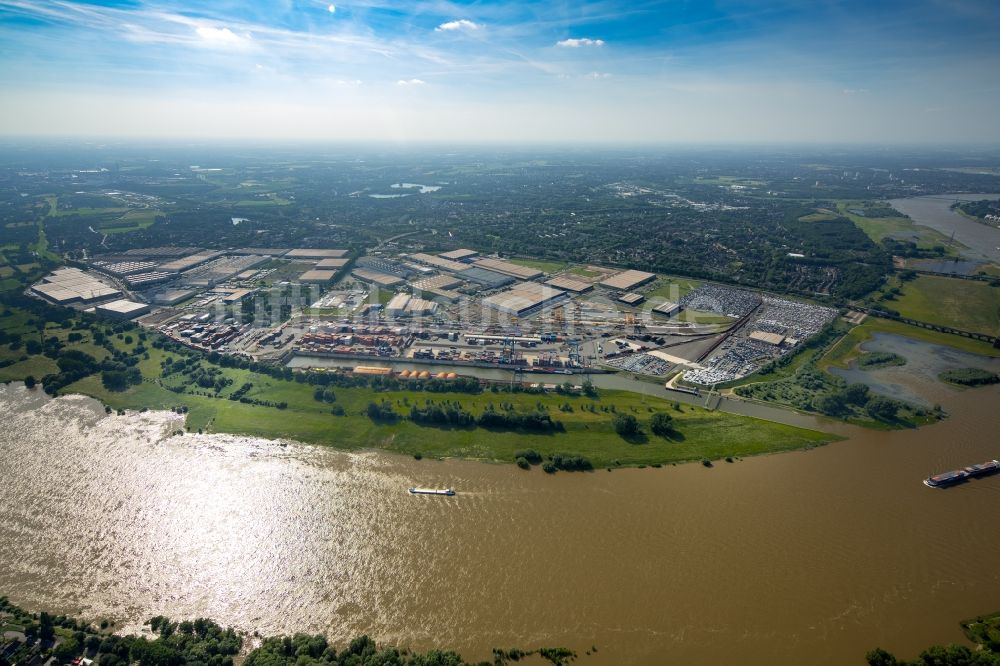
x=71 y=285
x=314 y=253
x=459 y=255
x=263 y=251
x=628 y=280
x=164 y=252
x=386 y=266
x=332 y=264
x=438 y=262
x=317 y=277
x=237 y=295
x=173 y=296
x=404 y=305
x=631 y=298
x=396 y=306
x=524 y=298
x=148 y=278
x=221 y=269
x=437 y=282
x=484 y=278
x=374 y=277
x=444 y=294
x=418 y=307
x=122 y=309
x=667 y=309
x=770 y=338
x=507 y=268
x=570 y=284
x=189 y=262
x=119 y=268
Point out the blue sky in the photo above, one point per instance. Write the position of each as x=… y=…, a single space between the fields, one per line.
x=885 y=72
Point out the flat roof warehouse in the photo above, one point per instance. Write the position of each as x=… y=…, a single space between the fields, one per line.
x=524 y=298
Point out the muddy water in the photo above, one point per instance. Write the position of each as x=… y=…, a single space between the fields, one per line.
x=982 y=241
x=810 y=557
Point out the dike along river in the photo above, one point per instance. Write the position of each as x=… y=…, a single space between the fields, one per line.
x=809 y=557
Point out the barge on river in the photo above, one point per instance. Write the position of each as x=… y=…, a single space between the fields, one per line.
x=449 y=492
x=945 y=479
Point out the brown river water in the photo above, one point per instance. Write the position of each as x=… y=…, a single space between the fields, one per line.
x=806 y=557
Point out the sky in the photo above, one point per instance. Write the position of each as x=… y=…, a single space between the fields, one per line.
x=605 y=72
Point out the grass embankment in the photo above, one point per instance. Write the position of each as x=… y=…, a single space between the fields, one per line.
x=970 y=305
x=588 y=432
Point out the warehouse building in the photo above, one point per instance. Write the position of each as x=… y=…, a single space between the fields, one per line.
x=237 y=295
x=631 y=298
x=396 y=307
x=374 y=277
x=667 y=309
x=386 y=266
x=314 y=253
x=446 y=295
x=484 y=278
x=317 y=277
x=437 y=282
x=507 y=268
x=438 y=262
x=418 y=307
x=332 y=264
x=769 y=338
x=71 y=285
x=119 y=268
x=524 y=298
x=122 y=309
x=173 y=296
x=189 y=262
x=459 y=255
x=628 y=280
x=570 y=284
x=263 y=251
x=148 y=278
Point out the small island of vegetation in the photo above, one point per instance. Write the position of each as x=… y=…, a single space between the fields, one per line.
x=969 y=377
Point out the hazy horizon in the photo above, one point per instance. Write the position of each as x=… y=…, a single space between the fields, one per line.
x=725 y=73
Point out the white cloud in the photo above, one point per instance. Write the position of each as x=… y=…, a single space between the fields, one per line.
x=410 y=82
x=460 y=24
x=598 y=75
x=220 y=37
x=855 y=91
x=332 y=9
x=577 y=43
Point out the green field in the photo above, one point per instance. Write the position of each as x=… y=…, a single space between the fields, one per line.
x=699 y=433
x=965 y=304
x=878 y=228
x=131 y=220
x=702 y=434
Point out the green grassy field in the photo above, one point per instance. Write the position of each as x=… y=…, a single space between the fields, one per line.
x=966 y=304
x=699 y=433
x=132 y=220
x=878 y=228
x=540 y=264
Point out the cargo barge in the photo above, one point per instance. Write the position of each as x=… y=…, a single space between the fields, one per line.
x=945 y=479
x=433 y=491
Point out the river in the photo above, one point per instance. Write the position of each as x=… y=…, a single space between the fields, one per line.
x=808 y=557
x=981 y=240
